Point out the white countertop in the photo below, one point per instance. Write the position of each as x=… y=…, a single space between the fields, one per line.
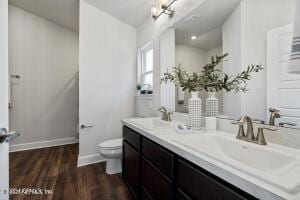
x=259 y=188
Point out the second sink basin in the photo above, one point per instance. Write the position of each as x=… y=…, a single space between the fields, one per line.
x=269 y=163
x=248 y=154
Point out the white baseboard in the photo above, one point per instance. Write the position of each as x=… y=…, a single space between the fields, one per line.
x=89 y=159
x=41 y=144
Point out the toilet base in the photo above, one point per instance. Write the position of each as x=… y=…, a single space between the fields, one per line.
x=113 y=166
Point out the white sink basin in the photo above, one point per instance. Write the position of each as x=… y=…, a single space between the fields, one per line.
x=248 y=154
x=270 y=163
x=151 y=123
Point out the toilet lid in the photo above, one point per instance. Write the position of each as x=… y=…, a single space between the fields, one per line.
x=111 y=144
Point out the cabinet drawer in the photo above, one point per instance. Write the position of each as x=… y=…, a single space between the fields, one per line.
x=160 y=157
x=157 y=185
x=131 y=168
x=201 y=186
x=132 y=137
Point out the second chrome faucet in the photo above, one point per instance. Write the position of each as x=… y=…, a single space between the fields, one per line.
x=165 y=115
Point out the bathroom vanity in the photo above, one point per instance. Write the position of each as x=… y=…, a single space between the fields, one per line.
x=161 y=163
x=252 y=163
x=151 y=171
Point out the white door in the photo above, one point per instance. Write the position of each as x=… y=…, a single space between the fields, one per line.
x=3 y=96
x=283 y=88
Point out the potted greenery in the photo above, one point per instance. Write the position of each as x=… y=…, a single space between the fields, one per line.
x=138 y=88
x=212 y=80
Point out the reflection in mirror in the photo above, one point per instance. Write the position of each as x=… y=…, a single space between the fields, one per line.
x=218 y=27
x=192 y=52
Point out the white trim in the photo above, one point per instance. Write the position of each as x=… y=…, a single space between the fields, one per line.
x=140 y=70
x=89 y=159
x=41 y=144
x=148 y=45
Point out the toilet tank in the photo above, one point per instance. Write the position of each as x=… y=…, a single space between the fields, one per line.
x=144 y=105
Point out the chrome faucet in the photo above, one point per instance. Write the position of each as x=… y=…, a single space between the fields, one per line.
x=274 y=114
x=250 y=137
x=165 y=115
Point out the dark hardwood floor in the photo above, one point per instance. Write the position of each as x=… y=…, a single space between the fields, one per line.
x=55 y=169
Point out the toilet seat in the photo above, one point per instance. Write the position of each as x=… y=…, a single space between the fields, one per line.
x=111 y=144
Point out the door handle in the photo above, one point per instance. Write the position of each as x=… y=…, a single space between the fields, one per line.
x=84 y=126
x=6 y=136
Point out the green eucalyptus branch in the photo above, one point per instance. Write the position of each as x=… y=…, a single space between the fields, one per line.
x=211 y=79
x=239 y=82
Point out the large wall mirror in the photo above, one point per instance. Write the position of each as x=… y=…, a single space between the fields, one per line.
x=251 y=32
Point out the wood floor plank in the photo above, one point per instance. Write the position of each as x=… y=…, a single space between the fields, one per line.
x=56 y=169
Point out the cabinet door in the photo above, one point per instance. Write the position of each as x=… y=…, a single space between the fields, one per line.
x=160 y=157
x=156 y=184
x=131 y=169
x=201 y=186
x=132 y=138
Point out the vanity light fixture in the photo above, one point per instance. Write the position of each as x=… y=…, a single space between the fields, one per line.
x=164 y=8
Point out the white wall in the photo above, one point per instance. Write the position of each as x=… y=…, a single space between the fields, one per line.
x=231 y=32
x=269 y=14
x=3 y=63
x=4 y=161
x=218 y=51
x=45 y=98
x=107 y=52
x=192 y=59
x=245 y=39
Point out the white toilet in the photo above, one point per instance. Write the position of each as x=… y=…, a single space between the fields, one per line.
x=111 y=150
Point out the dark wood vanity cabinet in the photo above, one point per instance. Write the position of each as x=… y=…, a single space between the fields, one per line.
x=131 y=168
x=158 y=156
x=155 y=182
x=152 y=172
x=131 y=161
x=199 y=184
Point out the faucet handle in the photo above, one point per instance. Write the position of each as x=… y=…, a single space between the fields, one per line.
x=260 y=138
x=241 y=133
x=236 y=122
x=281 y=124
x=267 y=128
x=273 y=109
x=258 y=121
